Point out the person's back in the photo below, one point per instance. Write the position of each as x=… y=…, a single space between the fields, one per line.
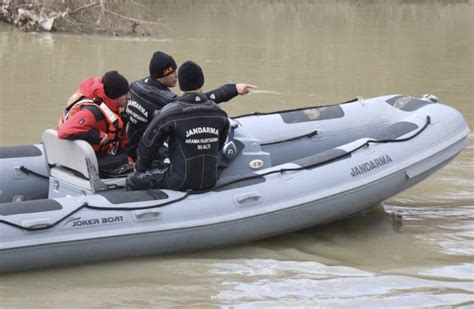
x=196 y=130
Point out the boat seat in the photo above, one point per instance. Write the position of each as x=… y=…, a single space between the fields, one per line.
x=75 y=162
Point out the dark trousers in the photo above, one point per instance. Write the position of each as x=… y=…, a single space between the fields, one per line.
x=109 y=166
x=157 y=177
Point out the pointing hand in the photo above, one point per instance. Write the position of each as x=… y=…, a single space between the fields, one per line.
x=243 y=89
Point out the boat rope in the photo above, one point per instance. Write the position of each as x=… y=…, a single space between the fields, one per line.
x=292 y=110
x=310 y=134
x=87 y=206
x=28 y=171
x=191 y=192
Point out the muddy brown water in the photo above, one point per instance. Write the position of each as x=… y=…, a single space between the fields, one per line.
x=415 y=250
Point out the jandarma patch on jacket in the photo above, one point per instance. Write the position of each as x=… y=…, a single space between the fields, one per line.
x=200 y=130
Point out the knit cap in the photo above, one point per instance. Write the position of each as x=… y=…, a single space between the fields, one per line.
x=161 y=65
x=115 y=85
x=190 y=76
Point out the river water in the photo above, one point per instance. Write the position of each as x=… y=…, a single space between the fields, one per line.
x=415 y=250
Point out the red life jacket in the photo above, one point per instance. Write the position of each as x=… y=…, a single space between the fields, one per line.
x=91 y=93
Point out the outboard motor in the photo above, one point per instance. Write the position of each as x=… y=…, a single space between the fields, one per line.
x=230 y=150
x=243 y=152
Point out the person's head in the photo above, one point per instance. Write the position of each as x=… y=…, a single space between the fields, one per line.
x=163 y=68
x=116 y=87
x=191 y=77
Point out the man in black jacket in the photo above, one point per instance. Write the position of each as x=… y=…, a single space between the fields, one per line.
x=153 y=93
x=195 y=128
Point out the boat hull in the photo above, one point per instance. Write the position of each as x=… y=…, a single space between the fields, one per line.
x=224 y=233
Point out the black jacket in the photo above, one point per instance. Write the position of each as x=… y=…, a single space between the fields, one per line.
x=148 y=96
x=196 y=130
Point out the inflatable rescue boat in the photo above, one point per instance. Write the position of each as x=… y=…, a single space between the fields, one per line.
x=284 y=171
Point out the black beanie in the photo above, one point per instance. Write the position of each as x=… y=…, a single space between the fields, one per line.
x=115 y=85
x=190 y=76
x=161 y=64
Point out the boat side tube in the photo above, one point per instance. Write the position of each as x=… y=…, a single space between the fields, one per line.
x=24 y=173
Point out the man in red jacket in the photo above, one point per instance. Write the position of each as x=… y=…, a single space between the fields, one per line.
x=93 y=114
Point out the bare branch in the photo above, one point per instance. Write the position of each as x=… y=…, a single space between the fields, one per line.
x=141 y=5
x=133 y=20
x=85 y=7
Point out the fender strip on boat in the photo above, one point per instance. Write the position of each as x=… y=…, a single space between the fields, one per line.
x=293 y=110
x=27 y=207
x=19 y=152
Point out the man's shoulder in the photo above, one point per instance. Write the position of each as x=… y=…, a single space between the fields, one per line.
x=147 y=85
x=142 y=82
x=211 y=105
x=95 y=110
x=206 y=107
x=147 y=92
x=173 y=107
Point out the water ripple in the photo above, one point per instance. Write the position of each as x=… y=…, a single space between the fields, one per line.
x=256 y=283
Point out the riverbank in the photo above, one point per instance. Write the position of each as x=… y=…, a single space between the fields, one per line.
x=81 y=16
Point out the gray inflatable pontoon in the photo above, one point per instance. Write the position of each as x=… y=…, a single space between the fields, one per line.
x=290 y=170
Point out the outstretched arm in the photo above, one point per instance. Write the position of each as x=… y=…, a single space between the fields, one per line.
x=229 y=91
